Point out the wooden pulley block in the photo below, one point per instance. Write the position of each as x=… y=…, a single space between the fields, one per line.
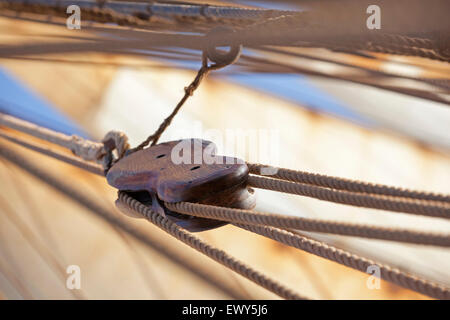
x=183 y=170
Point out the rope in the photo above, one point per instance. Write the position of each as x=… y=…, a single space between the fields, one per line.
x=208 y=250
x=331 y=253
x=308 y=224
x=60 y=185
x=83 y=148
x=400 y=40
x=189 y=91
x=406 y=51
x=405 y=205
x=89 y=150
x=303 y=224
x=353 y=261
x=74 y=161
x=344 y=184
x=141 y=13
x=259 y=26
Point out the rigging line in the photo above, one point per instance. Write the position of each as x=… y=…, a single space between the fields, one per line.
x=188 y=92
x=243 y=294
x=309 y=224
x=345 y=184
x=176 y=256
x=108 y=46
x=69 y=159
x=303 y=223
x=365 y=43
x=352 y=260
x=216 y=254
x=155 y=39
x=365 y=200
x=377 y=72
x=146 y=271
x=368 y=82
x=60 y=187
x=399 y=50
x=194 y=13
x=422 y=207
x=136 y=66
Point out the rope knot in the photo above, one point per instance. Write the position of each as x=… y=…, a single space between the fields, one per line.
x=189 y=90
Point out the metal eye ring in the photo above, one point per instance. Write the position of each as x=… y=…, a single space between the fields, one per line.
x=220 y=57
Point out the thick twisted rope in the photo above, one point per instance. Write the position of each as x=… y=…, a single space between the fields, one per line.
x=141 y=14
x=341 y=258
x=94 y=207
x=309 y=224
x=208 y=250
x=419 y=207
x=259 y=27
x=102 y=153
x=351 y=260
x=344 y=184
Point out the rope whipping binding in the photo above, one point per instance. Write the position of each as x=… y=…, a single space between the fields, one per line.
x=87 y=150
x=393 y=202
x=343 y=184
x=214 y=253
x=396 y=199
x=90 y=151
x=116 y=140
x=155 y=137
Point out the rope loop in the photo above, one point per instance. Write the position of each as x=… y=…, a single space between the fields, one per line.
x=101 y=152
x=114 y=140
